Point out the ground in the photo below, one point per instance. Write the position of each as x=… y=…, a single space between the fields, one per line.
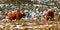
x=31 y=24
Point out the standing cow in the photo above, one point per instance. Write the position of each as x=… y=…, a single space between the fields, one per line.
x=15 y=15
x=49 y=15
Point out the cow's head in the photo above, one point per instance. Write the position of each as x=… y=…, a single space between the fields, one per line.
x=23 y=14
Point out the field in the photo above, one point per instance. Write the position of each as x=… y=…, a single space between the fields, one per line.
x=31 y=24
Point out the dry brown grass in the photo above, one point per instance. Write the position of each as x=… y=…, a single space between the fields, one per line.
x=41 y=24
x=24 y=23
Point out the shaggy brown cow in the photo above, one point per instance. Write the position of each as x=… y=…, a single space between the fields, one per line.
x=15 y=15
x=49 y=15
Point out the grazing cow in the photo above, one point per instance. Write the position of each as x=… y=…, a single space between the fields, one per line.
x=49 y=15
